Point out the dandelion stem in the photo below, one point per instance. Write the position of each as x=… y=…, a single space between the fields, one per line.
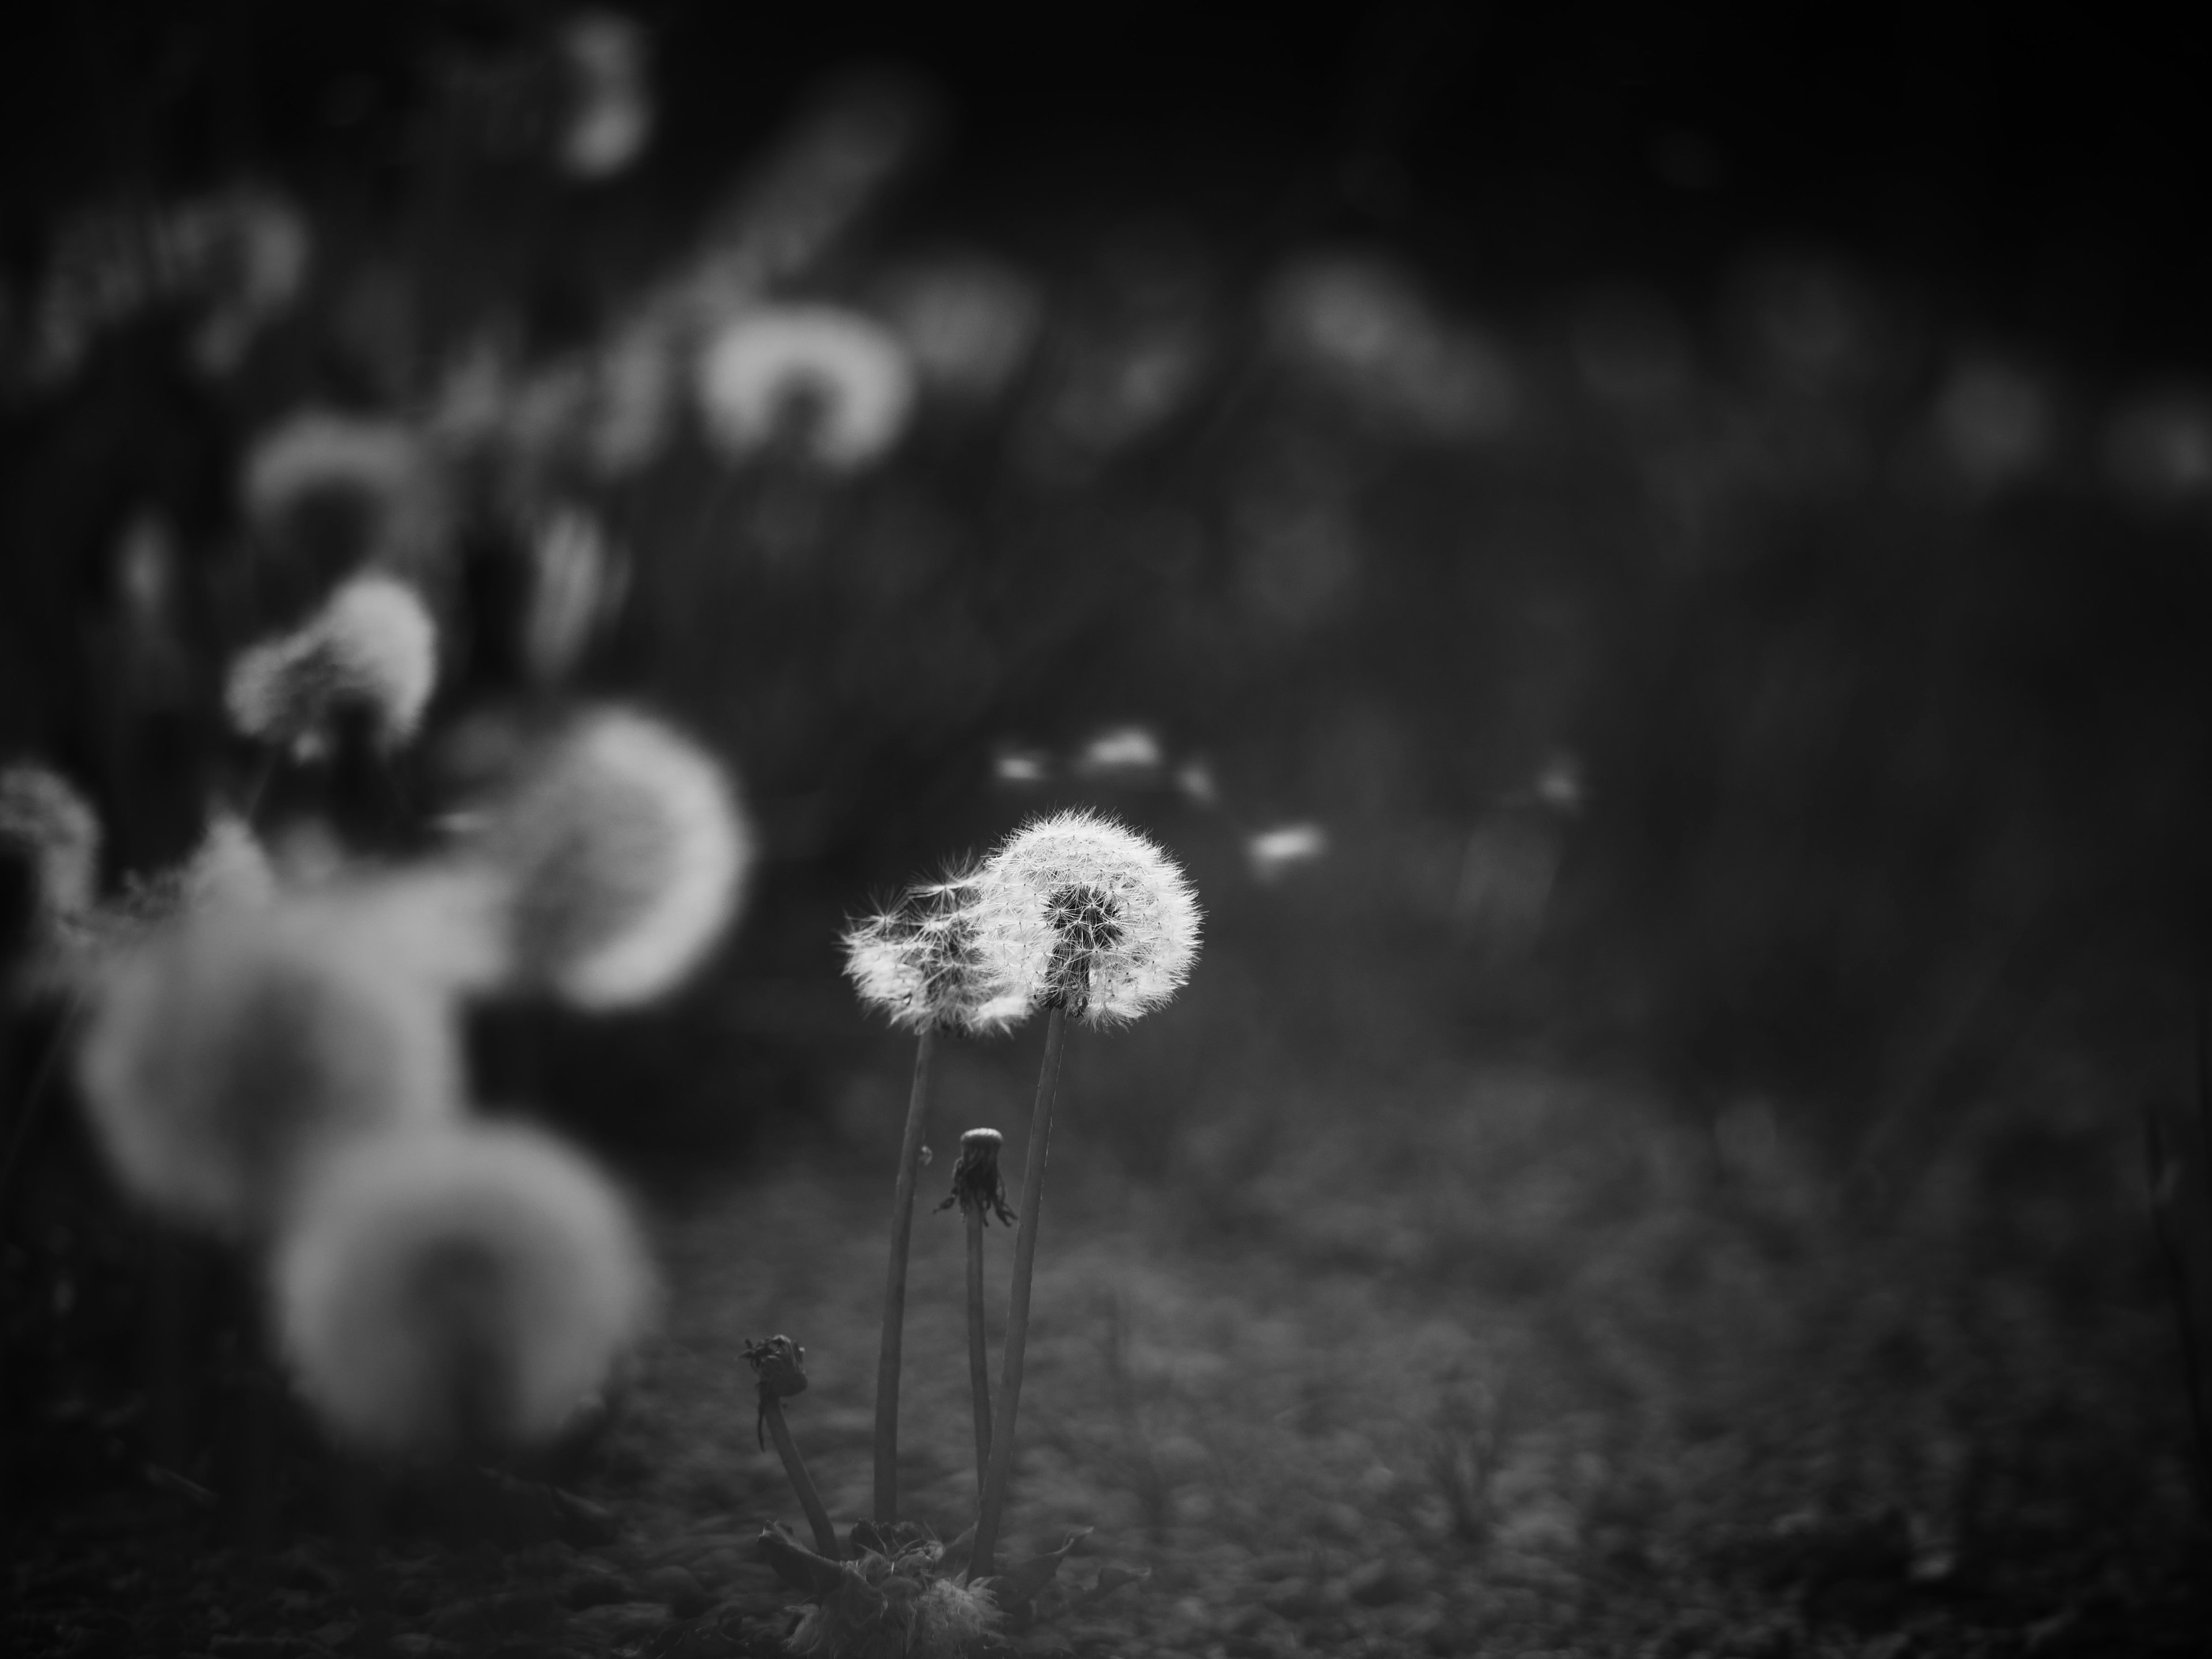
x=825 y=1535
x=979 y=1360
x=887 y=1361
x=1018 y=1309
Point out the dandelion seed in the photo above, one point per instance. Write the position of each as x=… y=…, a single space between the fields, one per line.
x=623 y=850
x=1081 y=911
x=225 y=1055
x=1127 y=751
x=457 y=1290
x=1273 y=853
x=843 y=382
x=53 y=830
x=373 y=647
x=611 y=120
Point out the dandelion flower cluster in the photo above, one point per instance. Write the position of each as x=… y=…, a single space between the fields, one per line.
x=226 y=1054
x=920 y=961
x=1084 y=912
x=846 y=378
x=623 y=851
x=373 y=647
x=457 y=1290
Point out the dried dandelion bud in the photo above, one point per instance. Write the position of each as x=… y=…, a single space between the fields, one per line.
x=977 y=1185
x=623 y=850
x=459 y=1289
x=780 y=1363
x=844 y=378
x=55 y=834
x=372 y=648
x=226 y=1055
x=920 y=963
x=1080 y=911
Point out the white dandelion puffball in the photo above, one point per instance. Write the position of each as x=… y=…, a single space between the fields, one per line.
x=57 y=833
x=920 y=962
x=226 y=1055
x=623 y=850
x=1081 y=911
x=373 y=647
x=457 y=1288
x=846 y=378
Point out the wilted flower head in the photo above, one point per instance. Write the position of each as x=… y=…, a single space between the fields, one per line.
x=843 y=379
x=608 y=58
x=623 y=850
x=1084 y=912
x=457 y=1288
x=977 y=1184
x=919 y=961
x=225 y=1055
x=372 y=648
x=54 y=832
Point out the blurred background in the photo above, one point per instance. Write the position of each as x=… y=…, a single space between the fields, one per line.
x=1656 y=554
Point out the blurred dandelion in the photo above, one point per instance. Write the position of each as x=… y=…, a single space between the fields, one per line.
x=608 y=60
x=2158 y=448
x=969 y=323
x=1127 y=753
x=459 y=1289
x=1021 y=766
x=371 y=650
x=1630 y=349
x=1273 y=853
x=920 y=964
x=831 y=383
x=634 y=403
x=225 y=1055
x=1093 y=921
x=578 y=580
x=1993 y=421
x=623 y=851
x=50 y=833
x=378 y=469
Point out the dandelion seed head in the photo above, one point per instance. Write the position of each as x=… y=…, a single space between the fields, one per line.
x=847 y=378
x=921 y=964
x=457 y=1288
x=224 y=1055
x=1079 y=910
x=624 y=850
x=373 y=647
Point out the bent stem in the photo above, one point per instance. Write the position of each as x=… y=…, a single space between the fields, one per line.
x=817 y=1518
x=887 y=1361
x=1018 y=1311
x=979 y=1362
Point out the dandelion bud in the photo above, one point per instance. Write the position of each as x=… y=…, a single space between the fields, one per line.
x=920 y=963
x=780 y=1366
x=1080 y=911
x=226 y=1055
x=457 y=1290
x=977 y=1184
x=623 y=850
x=843 y=378
x=54 y=832
x=372 y=648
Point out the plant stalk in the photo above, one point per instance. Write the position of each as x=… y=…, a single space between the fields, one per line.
x=894 y=1338
x=825 y=1535
x=1017 y=1310
x=979 y=1360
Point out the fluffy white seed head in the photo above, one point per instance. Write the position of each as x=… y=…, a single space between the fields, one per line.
x=226 y=1055
x=921 y=963
x=53 y=830
x=373 y=647
x=457 y=1290
x=1079 y=910
x=624 y=850
x=845 y=379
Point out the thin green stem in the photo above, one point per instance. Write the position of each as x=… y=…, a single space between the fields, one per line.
x=979 y=1359
x=825 y=1535
x=887 y=1361
x=1018 y=1309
